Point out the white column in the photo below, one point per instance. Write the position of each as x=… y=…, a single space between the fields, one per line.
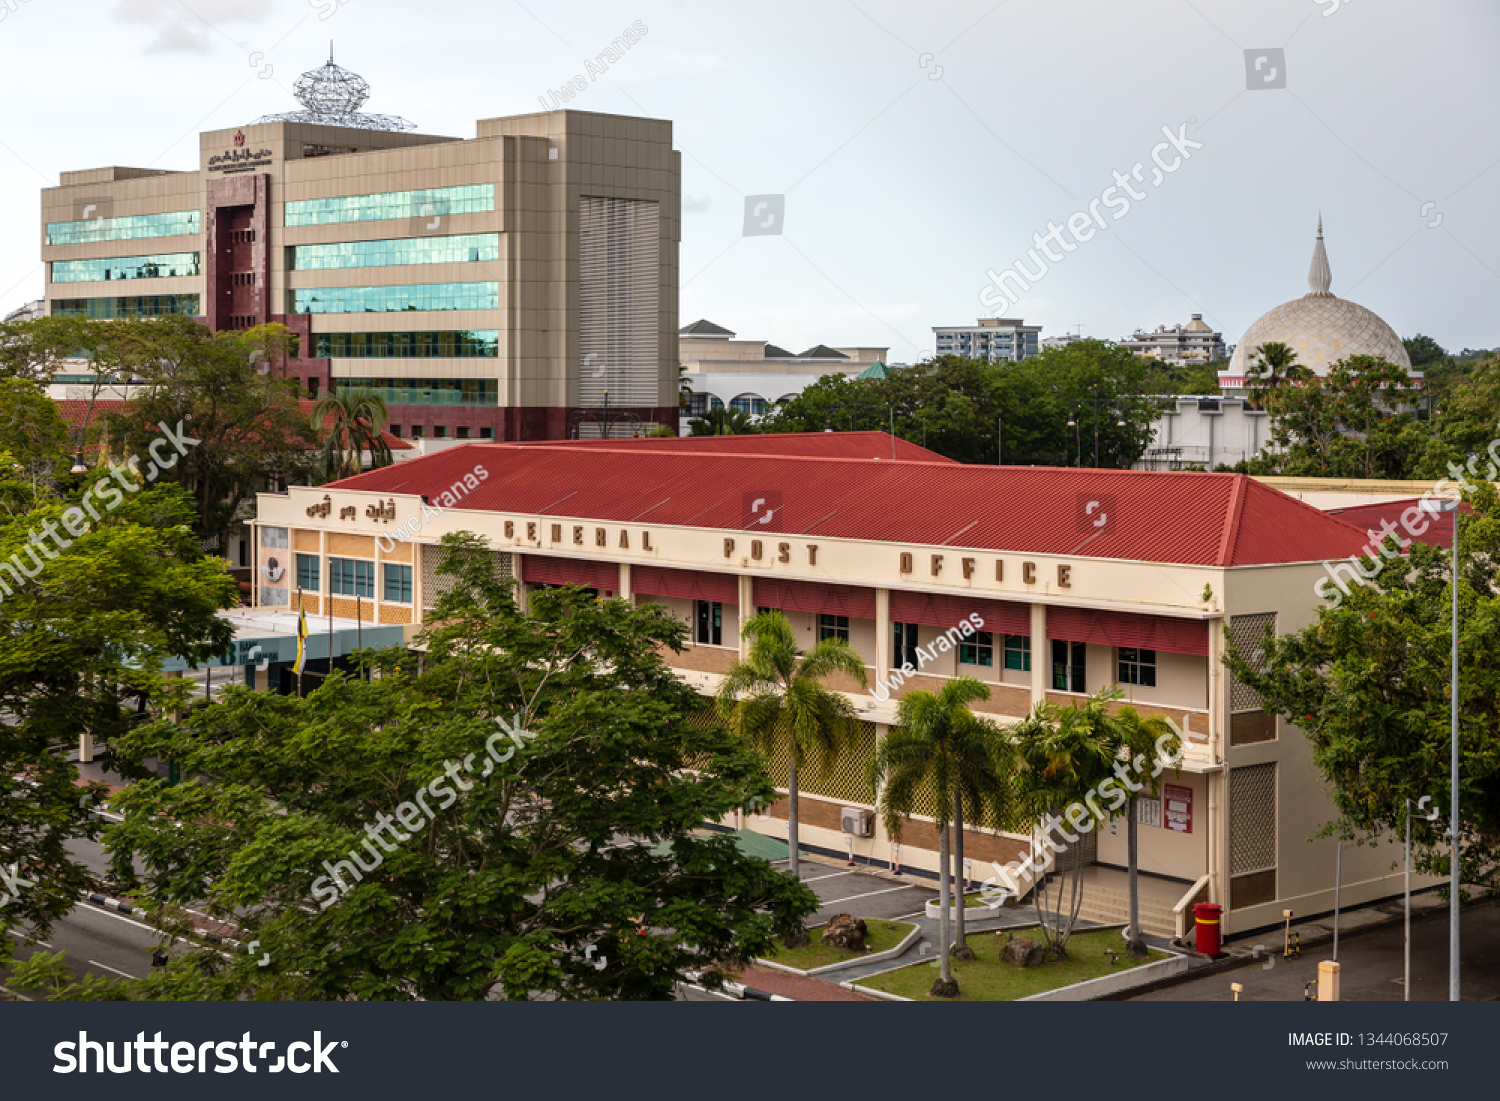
x=1041 y=654
x=884 y=642
x=747 y=611
x=522 y=600
x=625 y=592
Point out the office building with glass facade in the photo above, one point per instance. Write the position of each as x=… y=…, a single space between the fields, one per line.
x=534 y=265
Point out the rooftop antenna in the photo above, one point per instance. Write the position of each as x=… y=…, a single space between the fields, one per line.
x=330 y=51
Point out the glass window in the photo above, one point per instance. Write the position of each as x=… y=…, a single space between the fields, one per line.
x=164 y=266
x=699 y=404
x=180 y=223
x=1138 y=667
x=1069 y=666
x=398 y=584
x=1018 y=652
x=420 y=296
x=351 y=577
x=307 y=572
x=749 y=403
x=710 y=626
x=486 y=433
x=458 y=249
x=432 y=202
x=833 y=626
x=978 y=650
x=445 y=344
x=145 y=305
x=906 y=645
x=429 y=391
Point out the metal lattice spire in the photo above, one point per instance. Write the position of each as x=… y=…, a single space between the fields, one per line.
x=332 y=96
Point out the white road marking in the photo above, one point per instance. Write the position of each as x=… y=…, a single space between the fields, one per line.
x=22 y=936
x=107 y=967
x=871 y=894
x=126 y=920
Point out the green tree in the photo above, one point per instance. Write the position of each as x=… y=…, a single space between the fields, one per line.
x=1272 y=366
x=350 y=421
x=775 y=698
x=226 y=392
x=34 y=351
x=1368 y=685
x=724 y=422
x=86 y=622
x=1422 y=350
x=1141 y=741
x=941 y=755
x=523 y=806
x=1065 y=753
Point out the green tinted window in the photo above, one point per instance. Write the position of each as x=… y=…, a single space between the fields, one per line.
x=453 y=344
x=145 y=305
x=429 y=391
x=177 y=224
x=462 y=248
x=430 y=203
x=420 y=296
x=164 y=266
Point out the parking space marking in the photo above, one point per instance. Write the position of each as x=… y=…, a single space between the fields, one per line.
x=871 y=894
x=833 y=875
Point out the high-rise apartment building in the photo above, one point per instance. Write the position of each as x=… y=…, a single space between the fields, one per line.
x=504 y=286
x=991 y=338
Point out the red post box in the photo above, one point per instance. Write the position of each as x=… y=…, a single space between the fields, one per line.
x=1206 y=918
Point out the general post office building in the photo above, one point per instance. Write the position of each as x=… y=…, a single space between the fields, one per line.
x=1082 y=579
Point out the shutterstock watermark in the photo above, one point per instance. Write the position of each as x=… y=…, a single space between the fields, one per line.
x=1414 y=521
x=1083 y=225
x=1084 y=816
x=416 y=816
x=11 y=884
x=51 y=542
x=945 y=642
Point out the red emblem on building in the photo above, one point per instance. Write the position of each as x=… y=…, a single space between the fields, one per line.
x=239 y=138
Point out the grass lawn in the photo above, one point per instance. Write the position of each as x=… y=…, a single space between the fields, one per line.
x=882 y=935
x=986 y=979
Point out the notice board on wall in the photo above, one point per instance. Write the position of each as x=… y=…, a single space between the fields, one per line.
x=1178 y=808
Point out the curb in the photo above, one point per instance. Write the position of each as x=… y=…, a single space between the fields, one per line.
x=874 y=957
x=131 y=911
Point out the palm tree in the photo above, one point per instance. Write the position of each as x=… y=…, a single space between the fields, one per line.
x=1142 y=739
x=684 y=387
x=723 y=421
x=939 y=752
x=775 y=696
x=1273 y=364
x=356 y=416
x=1066 y=753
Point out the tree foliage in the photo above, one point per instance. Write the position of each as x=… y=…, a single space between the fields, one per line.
x=969 y=409
x=1368 y=684
x=570 y=865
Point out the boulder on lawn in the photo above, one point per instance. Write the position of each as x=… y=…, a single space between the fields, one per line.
x=845 y=931
x=1023 y=952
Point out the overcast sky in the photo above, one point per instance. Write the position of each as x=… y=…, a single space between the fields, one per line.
x=917 y=145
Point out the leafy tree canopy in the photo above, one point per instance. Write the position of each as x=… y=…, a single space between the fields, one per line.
x=524 y=804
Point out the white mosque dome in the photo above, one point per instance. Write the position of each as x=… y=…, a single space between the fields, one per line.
x=1322 y=327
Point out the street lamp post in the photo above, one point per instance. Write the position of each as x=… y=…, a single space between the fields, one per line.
x=1441 y=505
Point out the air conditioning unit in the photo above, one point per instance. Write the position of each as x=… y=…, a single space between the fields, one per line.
x=857 y=821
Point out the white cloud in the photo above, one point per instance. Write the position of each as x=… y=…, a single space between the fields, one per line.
x=188 y=28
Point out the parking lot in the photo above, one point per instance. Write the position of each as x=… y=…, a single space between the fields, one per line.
x=862 y=891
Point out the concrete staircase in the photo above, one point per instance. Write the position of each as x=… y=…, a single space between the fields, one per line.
x=1109 y=906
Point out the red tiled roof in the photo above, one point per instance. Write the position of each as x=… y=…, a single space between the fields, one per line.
x=1369 y=517
x=74 y=412
x=811 y=445
x=1186 y=518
